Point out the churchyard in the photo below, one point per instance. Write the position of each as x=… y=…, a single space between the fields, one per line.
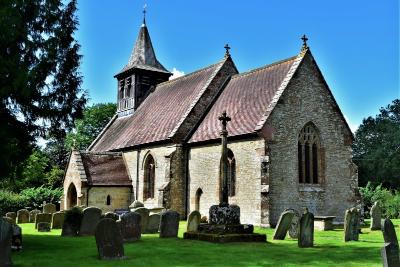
x=50 y=249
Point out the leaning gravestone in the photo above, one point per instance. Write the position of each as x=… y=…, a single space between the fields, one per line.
x=16 y=243
x=6 y=233
x=284 y=223
x=72 y=222
x=57 y=220
x=306 y=233
x=153 y=224
x=351 y=225
x=111 y=215
x=193 y=221
x=13 y=216
x=169 y=224
x=91 y=217
x=376 y=217
x=390 y=252
x=23 y=216
x=130 y=226
x=43 y=227
x=43 y=217
x=32 y=215
x=144 y=213
x=49 y=208
x=109 y=240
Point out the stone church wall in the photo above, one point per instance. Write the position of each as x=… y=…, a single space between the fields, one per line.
x=307 y=99
x=120 y=198
x=73 y=176
x=204 y=162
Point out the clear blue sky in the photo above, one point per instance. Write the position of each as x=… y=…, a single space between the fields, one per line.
x=355 y=43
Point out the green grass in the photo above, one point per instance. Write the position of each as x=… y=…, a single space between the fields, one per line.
x=49 y=249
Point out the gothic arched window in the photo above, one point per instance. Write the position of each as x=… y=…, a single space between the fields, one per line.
x=231 y=173
x=108 y=202
x=149 y=177
x=121 y=89
x=308 y=153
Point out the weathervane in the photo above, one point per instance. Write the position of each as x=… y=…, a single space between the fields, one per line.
x=144 y=13
x=227 y=48
x=305 y=39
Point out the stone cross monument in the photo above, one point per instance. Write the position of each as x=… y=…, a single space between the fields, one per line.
x=224 y=154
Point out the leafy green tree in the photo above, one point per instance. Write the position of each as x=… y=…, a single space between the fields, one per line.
x=34 y=171
x=95 y=118
x=40 y=91
x=376 y=149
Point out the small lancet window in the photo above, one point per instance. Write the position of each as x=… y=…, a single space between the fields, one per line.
x=108 y=202
x=231 y=173
x=308 y=153
x=149 y=177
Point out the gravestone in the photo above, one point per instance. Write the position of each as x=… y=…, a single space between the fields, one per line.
x=6 y=233
x=13 y=216
x=144 y=213
x=43 y=227
x=284 y=223
x=376 y=217
x=72 y=222
x=32 y=215
x=294 y=226
x=57 y=220
x=169 y=224
x=306 y=233
x=153 y=224
x=109 y=240
x=390 y=252
x=204 y=219
x=351 y=225
x=130 y=226
x=23 y=216
x=43 y=217
x=136 y=204
x=111 y=215
x=16 y=243
x=49 y=208
x=193 y=221
x=9 y=220
x=91 y=217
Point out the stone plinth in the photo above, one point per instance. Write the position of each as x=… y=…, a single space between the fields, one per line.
x=323 y=223
x=224 y=214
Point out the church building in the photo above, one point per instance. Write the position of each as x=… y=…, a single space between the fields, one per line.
x=289 y=143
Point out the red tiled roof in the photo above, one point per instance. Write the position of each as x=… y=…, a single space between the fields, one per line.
x=246 y=99
x=105 y=169
x=161 y=112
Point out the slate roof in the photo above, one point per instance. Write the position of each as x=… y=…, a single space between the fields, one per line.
x=105 y=169
x=160 y=113
x=247 y=99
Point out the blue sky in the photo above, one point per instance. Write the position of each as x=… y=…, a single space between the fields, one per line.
x=355 y=43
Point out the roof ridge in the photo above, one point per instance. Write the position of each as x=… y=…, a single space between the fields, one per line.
x=263 y=67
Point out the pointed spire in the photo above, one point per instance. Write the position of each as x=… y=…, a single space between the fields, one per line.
x=144 y=14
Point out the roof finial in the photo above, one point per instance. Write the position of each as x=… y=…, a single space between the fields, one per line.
x=305 y=39
x=227 y=48
x=144 y=14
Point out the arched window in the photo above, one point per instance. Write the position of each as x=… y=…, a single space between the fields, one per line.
x=231 y=173
x=149 y=176
x=121 y=89
x=108 y=200
x=308 y=153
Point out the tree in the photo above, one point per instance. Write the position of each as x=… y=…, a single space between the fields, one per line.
x=376 y=149
x=95 y=118
x=40 y=91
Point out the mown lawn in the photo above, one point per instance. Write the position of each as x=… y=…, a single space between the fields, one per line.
x=49 y=249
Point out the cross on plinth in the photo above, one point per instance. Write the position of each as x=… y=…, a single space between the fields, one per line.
x=305 y=39
x=227 y=48
x=224 y=159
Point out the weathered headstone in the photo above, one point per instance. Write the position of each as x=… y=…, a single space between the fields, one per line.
x=306 y=233
x=57 y=220
x=43 y=227
x=376 y=217
x=13 y=216
x=136 y=204
x=390 y=252
x=72 y=222
x=284 y=223
x=32 y=215
x=23 y=216
x=169 y=224
x=6 y=233
x=49 y=208
x=153 y=224
x=91 y=217
x=144 y=213
x=294 y=227
x=109 y=240
x=193 y=221
x=111 y=215
x=43 y=217
x=9 y=220
x=130 y=226
x=204 y=219
x=351 y=225
x=16 y=243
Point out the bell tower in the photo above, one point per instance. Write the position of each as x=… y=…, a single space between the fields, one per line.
x=141 y=75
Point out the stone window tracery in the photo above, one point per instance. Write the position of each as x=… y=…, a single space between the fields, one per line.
x=309 y=154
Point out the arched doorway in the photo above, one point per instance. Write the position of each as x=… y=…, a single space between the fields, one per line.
x=199 y=192
x=72 y=196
